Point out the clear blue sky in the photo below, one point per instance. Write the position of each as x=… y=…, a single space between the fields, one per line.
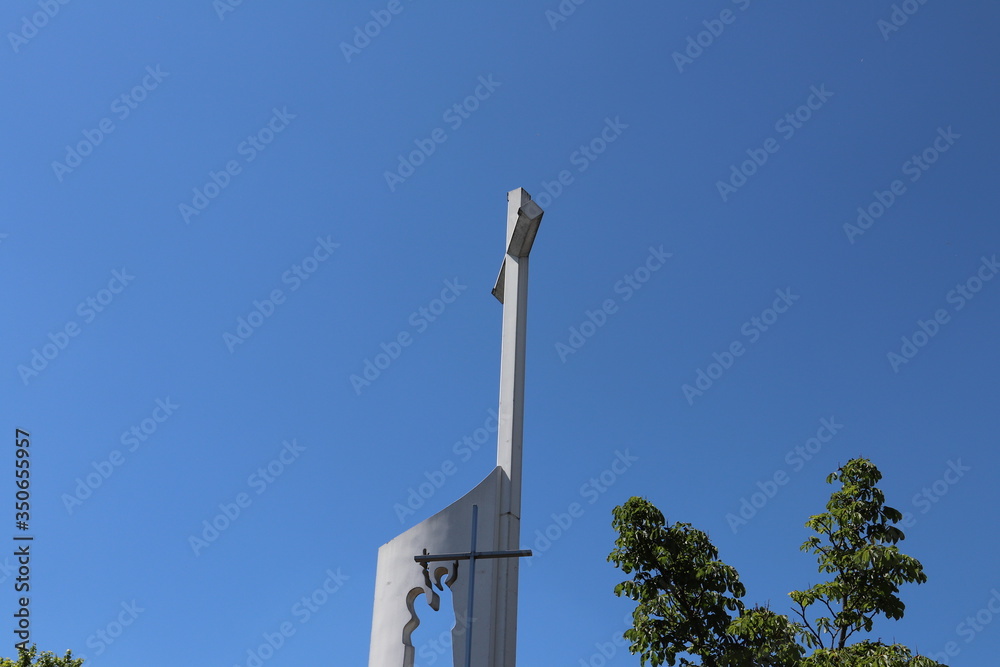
x=173 y=168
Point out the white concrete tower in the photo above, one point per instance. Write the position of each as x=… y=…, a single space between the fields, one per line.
x=443 y=550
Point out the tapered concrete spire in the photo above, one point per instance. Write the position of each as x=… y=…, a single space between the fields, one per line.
x=523 y=219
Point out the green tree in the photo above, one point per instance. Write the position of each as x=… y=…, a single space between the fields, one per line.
x=31 y=658
x=690 y=610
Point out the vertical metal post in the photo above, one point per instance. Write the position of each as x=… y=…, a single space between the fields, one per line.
x=472 y=587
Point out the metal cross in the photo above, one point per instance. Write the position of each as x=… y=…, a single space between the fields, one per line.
x=472 y=556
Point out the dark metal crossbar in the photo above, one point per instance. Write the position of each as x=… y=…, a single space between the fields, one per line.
x=430 y=558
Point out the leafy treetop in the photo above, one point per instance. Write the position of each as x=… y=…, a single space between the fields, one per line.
x=689 y=602
x=31 y=658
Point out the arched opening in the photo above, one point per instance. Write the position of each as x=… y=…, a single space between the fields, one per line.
x=430 y=634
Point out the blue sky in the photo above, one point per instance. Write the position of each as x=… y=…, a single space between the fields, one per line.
x=216 y=214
